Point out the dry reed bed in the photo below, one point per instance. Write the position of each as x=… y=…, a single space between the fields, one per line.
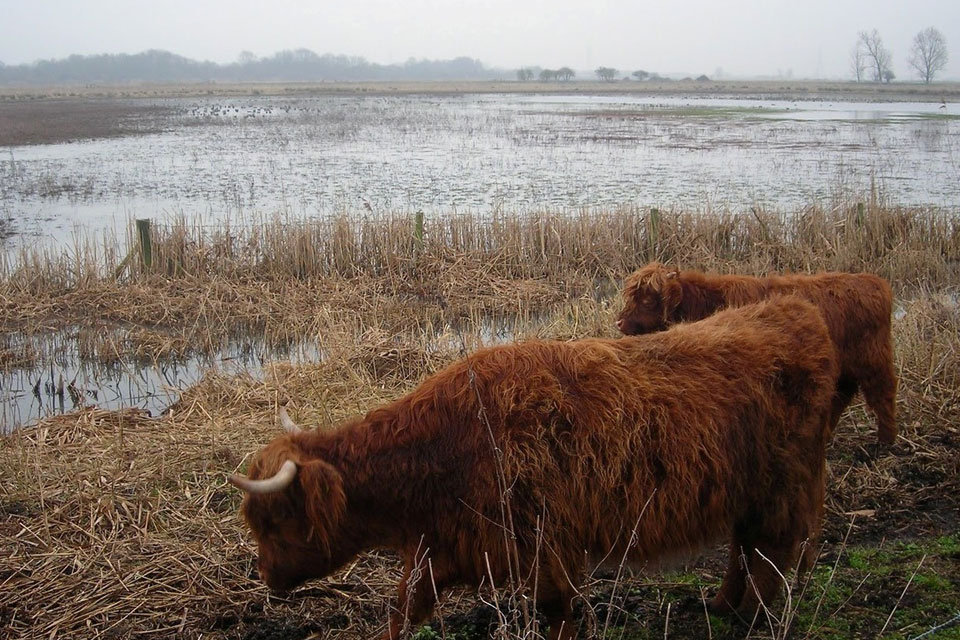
x=279 y=276
x=115 y=524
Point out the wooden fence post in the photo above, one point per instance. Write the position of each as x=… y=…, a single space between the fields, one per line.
x=146 y=247
x=418 y=228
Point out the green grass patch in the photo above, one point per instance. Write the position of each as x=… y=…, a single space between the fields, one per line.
x=854 y=600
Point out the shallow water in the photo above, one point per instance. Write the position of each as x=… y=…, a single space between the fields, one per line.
x=63 y=379
x=219 y=158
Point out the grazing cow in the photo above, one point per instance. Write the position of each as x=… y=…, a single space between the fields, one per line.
x=856 y=308
x=518 y=461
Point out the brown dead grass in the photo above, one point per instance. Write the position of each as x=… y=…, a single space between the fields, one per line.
x=767 y=89
x=117 y=524
x=284 y=279
x=114 y=524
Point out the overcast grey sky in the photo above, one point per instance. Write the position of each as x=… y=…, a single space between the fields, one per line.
x=812 y=38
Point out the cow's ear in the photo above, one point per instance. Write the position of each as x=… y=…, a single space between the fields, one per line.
x=325 y=500
x=656 y=277
x=672 y=293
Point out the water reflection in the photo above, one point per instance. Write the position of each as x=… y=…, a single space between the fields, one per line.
x=68 y=379
x=232 y=158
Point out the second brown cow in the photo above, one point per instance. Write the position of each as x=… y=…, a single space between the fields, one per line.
x=856 y=307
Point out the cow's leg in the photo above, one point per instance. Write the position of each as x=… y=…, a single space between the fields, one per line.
x=846 y=389
x=879 y=384
x=416 y=594
x=769 y=560
x=555 y=602
x=559 y=614
x=816 y=493
x=776 y=546
x=734 y=581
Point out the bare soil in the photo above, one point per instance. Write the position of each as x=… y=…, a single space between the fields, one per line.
x=49 y=121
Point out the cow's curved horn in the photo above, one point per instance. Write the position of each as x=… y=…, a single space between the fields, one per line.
x=280 y=480
x=289 y=425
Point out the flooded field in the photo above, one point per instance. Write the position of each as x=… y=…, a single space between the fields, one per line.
x=68 y=376
x=227 y=158
x=84 y=171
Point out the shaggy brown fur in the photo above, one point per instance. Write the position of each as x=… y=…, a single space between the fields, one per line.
x=644 y=448
x=856 y=308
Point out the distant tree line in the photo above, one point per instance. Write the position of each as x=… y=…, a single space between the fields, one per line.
x=564 y=74
x=298 y=65
x=869 y=58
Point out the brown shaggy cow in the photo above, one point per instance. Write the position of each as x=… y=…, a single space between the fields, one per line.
x=639 y=448
x=856 y=308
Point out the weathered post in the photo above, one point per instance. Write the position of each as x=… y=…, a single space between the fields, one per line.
x=146 y=248
x=418 y=228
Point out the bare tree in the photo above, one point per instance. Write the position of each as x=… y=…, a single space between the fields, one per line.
x=858 y=61
x=606 y=73
x=640 y=75
x=928 y=54
x=525 y=74
x=565 y=73
x=877 y=55
x=548 y=75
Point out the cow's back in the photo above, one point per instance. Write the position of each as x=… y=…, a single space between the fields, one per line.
x=853 y=305
x=674 y=428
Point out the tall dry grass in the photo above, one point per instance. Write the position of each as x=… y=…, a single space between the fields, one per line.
x=119 y=525
x=905 y=245
x=288 y=278
x=115 y=524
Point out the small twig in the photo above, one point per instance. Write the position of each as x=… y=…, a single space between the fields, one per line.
x=666 y=623
x=706 y=613
x=902 y=593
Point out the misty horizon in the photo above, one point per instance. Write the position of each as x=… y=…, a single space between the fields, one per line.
x=247 y=58
x=457 y=68
x=751 y=39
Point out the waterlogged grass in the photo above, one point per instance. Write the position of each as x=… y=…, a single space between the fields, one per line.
x=223 y=158
x=693 y=111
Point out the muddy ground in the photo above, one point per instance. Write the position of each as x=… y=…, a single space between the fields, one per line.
x=67 y=120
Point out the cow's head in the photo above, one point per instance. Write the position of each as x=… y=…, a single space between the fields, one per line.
x=650 y=296
x=295 y=508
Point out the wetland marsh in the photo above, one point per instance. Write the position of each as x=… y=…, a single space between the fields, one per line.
x=290 y=268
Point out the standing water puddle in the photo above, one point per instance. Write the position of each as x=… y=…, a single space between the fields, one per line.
x=66 y=380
